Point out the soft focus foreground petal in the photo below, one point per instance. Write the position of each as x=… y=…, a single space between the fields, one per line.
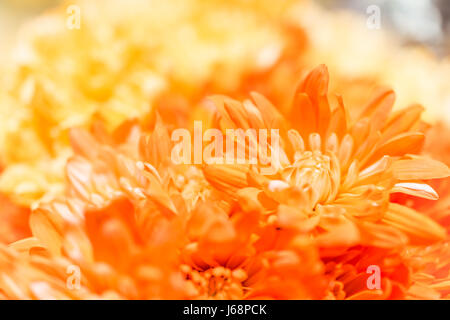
x=14 y=221
x=419 y=228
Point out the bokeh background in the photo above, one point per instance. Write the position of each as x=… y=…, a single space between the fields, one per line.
x=421 y=27
x=425 y=22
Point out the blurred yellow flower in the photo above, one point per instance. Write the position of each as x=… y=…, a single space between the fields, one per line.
x=125 y=54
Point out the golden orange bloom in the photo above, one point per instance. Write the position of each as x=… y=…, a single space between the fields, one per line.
x=229 y=256
x=349 y=276
x=337 y=172
x=339 y=169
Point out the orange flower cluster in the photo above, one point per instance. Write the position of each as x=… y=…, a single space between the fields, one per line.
x=333 y=221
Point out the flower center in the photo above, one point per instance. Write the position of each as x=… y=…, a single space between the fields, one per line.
x=316 y=171
x=193 y=186
x=215 y=283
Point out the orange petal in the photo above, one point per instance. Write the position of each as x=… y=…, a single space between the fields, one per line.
x=83 y=143
x=419 y=168
x=45 y=230
x=310 y=109
x=419 y=228
x=382 y=236
x=155 y=148
x=421 y=190
x=227 y=178
x=360 y=132
x=338 y=120
x=405 y=143
x=340 y=231
x=379 y=108
x=272 y=117
x=402 y=121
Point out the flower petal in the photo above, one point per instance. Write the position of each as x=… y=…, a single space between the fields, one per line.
x=310 y=107
x=421 y=190
x=419 y=168
x=419 y=228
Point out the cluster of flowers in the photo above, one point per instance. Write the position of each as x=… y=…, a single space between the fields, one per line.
x=353 y=191
x=139 y=226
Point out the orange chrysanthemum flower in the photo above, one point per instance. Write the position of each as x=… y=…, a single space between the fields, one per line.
x=230 y=256
x=335 y=178
x=339 y=166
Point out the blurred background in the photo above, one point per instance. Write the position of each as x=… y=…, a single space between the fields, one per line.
x=425 y=22
x=13 y=13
